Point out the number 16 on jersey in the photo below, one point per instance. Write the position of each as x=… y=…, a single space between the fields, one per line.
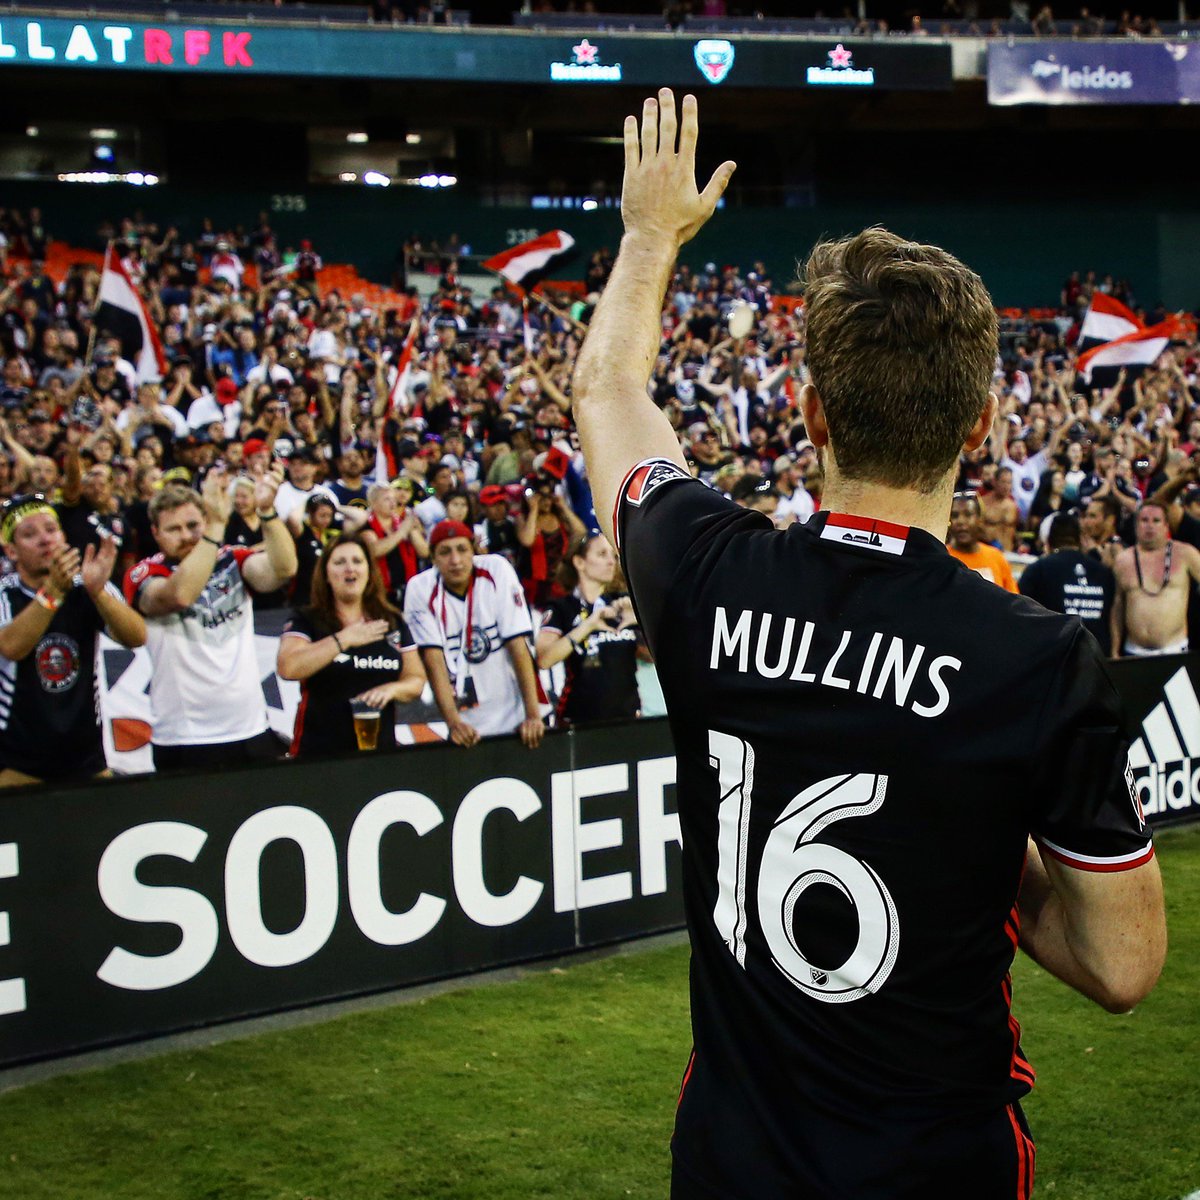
x=793 y=861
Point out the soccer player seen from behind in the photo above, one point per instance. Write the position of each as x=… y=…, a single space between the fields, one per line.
x=891 y=772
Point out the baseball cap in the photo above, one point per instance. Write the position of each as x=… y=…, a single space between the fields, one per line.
x=697 y=429
x=302 y=454
x=445 y=530
x=803 y=444
x=493 y=494
x=253 y=446
x=407 y=449
x=552 y=462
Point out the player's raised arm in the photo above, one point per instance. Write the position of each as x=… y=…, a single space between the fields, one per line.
x=619 y=425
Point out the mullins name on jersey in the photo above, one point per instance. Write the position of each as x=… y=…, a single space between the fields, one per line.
x=877 y=664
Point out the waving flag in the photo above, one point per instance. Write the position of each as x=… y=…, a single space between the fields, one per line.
x=1106 y=320
x=526 y=264
x=121 y=314
x=403 y=368
x=386 y=466
x=1134 y=352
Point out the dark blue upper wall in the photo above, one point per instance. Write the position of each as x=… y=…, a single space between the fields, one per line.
x=1023 y=251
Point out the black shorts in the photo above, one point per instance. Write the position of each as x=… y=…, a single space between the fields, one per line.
x=263 y=747
x=986 y=1158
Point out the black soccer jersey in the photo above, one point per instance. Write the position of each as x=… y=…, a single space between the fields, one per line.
x=865 y=734
x=1069 y=581
x=49 y=727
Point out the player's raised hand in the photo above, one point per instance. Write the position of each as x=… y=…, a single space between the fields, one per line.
x=659 y=196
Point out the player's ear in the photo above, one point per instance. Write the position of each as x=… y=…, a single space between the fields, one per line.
x=983 y=427
x=815 y=426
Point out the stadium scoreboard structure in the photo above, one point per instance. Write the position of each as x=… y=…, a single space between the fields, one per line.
x=469 y=56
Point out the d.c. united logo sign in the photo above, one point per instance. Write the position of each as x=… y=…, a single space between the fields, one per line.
x=714 y=57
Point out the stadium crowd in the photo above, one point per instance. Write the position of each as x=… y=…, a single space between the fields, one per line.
x=407 y=479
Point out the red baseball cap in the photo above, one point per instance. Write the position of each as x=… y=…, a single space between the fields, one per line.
x=493 y=494
x=444 y=530
x=253 y=446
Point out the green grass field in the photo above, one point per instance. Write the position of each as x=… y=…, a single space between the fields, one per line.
x=563 y=1085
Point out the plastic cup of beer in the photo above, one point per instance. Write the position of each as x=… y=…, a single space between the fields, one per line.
x=366 y=724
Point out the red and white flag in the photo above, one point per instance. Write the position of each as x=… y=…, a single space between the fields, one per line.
x=1106 y=320
x=403 y=368
x=523 y=265
x=386 y=466
x=1134 y=352
x=121 y=314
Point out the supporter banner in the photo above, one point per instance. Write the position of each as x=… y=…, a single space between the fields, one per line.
x=137 y=908
x=374 y=52
x=1092 y=72
x=1160 y=696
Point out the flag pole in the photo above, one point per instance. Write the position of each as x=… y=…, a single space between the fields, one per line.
x=91 y=345
x=558 y=312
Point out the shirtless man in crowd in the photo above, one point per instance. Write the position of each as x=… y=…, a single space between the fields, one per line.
x=1000 y=512
x=1154 y=578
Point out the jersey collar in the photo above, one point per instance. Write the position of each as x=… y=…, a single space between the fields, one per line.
x=872 y=536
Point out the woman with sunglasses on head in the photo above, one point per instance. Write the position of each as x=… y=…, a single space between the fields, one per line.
x=349 y=644
x=593 y=630
x=52 y=606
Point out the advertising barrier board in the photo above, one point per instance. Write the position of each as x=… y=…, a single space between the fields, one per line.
x=143 y=906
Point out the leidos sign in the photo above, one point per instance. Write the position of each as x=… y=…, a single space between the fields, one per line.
x=93 y=44
x=1037 y=71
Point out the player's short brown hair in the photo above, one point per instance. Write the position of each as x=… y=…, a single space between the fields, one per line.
x=902 y=343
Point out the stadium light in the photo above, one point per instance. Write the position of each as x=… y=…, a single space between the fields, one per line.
x=137 y=178
x=357 y=138
x=102 y=135
x=413 y=139
x=376 y=179
x=31 y=131
x=348 y=177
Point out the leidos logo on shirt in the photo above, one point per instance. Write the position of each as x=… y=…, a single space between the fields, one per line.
x=375 y=662
x=1160 y=774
